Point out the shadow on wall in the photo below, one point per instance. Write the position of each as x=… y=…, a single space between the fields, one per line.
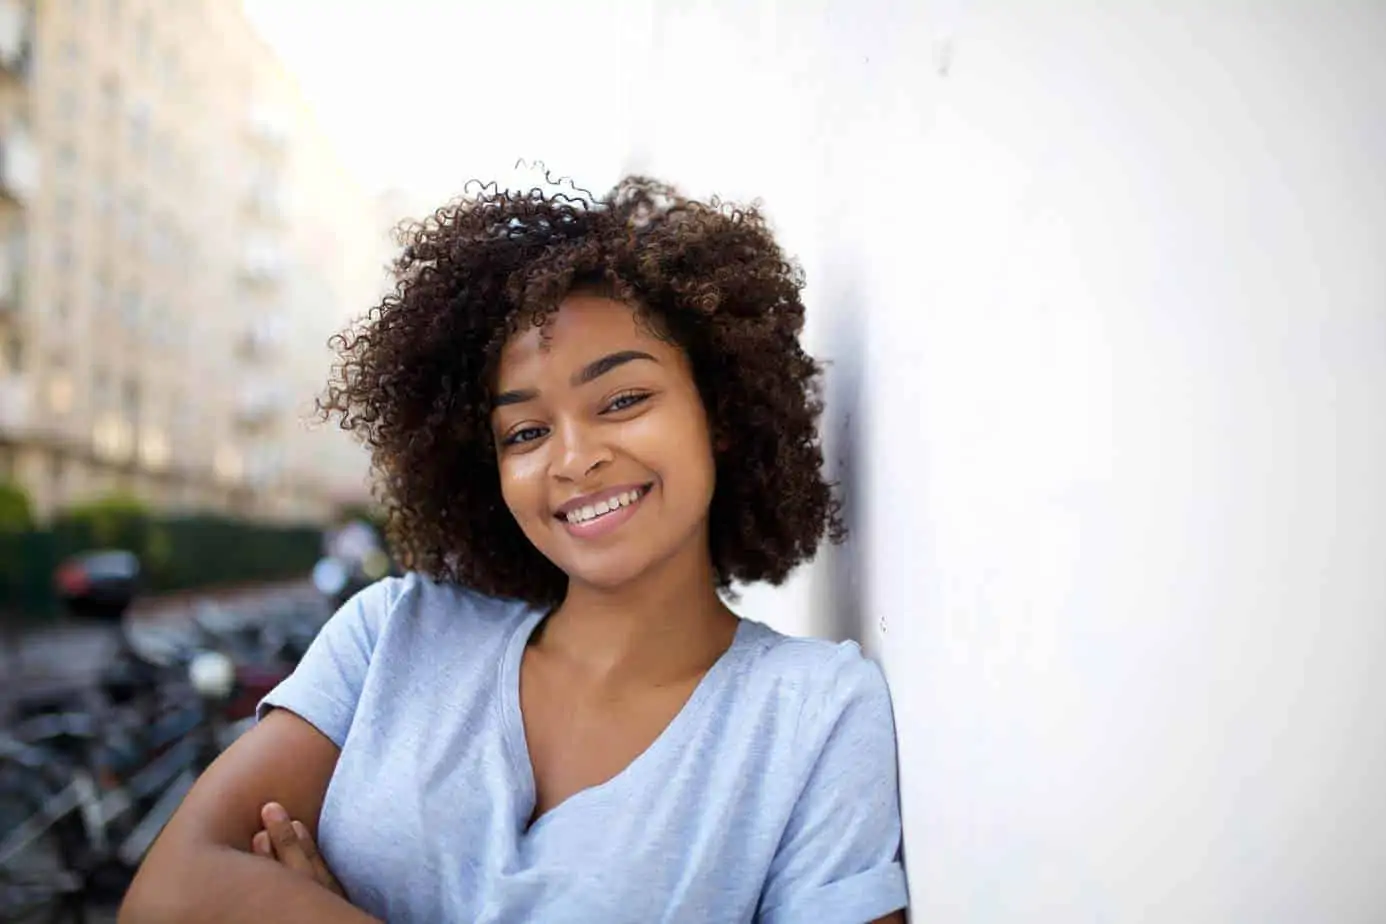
x=839 y=594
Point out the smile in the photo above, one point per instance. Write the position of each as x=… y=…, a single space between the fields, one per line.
x=604 y=515
x=603 y=507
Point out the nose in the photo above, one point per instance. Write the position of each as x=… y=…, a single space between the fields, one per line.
x=580 y=452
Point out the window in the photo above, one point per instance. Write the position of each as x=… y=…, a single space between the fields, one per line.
x=160 y=154
x=184 y=418
x=101 y=294
x=160 y=242
x=154 y=329
x=142 y=39
x=168 y=68
x=100 y=388
x=60 y=395
x=130 y=308
x=14 y=355
x=131 y=213
x=139 y=128
x=110 y=95
x=130 y=399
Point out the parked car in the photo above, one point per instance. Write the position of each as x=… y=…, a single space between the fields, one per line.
x=98 y=585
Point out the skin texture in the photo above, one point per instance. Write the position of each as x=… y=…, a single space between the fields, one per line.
x=639 y=424
x=485 y=389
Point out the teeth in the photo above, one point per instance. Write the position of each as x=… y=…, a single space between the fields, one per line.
x=592 y=511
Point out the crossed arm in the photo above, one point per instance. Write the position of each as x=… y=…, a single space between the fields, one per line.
x=241 y=849
x=289 y=842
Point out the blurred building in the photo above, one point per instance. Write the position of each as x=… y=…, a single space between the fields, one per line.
x=177 y=243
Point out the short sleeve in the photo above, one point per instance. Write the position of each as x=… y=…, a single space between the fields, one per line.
x=326 y=685
x=838 y=861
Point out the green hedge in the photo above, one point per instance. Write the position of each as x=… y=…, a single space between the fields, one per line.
x=16 y=510
x=175 y=553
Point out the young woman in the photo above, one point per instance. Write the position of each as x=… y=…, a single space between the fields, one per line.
x=588 y=417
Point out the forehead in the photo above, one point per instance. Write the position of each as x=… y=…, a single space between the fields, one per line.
x=583 y=327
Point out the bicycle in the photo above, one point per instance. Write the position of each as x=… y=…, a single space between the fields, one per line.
x=85 y=795
x=40 y=840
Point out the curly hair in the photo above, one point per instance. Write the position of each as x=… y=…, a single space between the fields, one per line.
x=415 y=376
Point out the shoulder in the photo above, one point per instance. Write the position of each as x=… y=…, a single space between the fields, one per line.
x=819 y=671
x=395 y=632
x=822 y=683
x=415 y=603
x=416 y=597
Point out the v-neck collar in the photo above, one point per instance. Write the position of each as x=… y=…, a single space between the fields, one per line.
x=517 y=743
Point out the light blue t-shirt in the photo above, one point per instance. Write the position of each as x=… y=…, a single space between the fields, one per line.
x=771 y=796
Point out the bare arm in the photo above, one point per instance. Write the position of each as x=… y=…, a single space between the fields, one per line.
x=202 y=869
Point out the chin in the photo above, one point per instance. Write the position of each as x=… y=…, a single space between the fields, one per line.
x=606 y=576
x=612 y=568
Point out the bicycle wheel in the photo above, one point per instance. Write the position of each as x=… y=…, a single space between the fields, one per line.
x=39 y=879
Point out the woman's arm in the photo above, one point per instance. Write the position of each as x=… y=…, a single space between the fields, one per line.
x=202 y=868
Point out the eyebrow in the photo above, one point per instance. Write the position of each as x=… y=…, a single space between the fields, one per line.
x=588 y=373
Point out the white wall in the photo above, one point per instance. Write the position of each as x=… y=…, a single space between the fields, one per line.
x=1104 y=286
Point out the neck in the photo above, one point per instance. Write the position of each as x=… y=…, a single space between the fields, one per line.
x=662 y=627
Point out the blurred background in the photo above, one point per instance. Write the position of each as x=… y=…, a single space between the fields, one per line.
x=1101 y=290
x=180 y=235
x=180 y=239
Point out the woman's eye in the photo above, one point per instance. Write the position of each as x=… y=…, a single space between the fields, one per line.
x=526 y=435
x=621 y=402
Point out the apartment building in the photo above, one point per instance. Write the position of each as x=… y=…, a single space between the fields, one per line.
x=177 y=241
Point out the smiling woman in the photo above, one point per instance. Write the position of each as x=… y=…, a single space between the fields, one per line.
x=702 y=286
x=589 y=417
x=576 y=433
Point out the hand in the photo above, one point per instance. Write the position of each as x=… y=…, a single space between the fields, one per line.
x=289 y=842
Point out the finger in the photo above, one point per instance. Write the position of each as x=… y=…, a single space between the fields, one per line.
x=305 y=840
x=287 y=848
x=260 y=845
x=310 y=849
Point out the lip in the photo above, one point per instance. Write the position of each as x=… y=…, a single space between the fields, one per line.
x=608 y=522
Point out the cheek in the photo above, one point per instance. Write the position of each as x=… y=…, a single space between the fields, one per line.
x=522 y=482
x=676 y=442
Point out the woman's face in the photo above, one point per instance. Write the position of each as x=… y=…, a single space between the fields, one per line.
x=603 y=443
